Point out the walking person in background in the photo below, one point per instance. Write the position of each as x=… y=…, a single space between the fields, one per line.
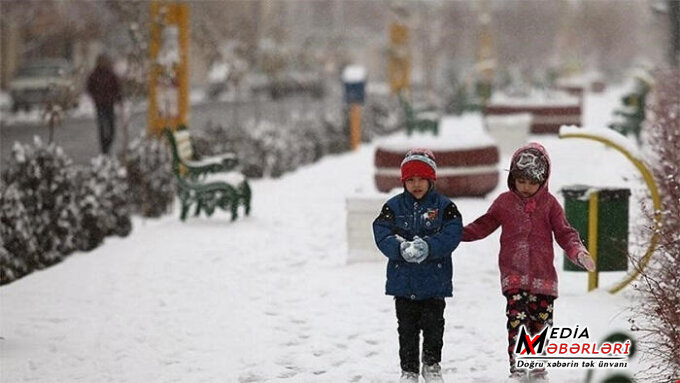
x=104 y=88
x=529 y=215
x=417 y=230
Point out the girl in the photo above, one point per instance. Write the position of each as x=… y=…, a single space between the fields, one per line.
x=528 y=215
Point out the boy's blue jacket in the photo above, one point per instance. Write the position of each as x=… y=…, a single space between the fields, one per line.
x=435 y=219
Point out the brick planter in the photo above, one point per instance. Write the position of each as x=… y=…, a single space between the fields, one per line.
x=467 y=157
x=578 y=85
x=462 y=172
x=547 y=115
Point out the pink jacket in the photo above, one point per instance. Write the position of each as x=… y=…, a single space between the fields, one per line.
x=527 y=224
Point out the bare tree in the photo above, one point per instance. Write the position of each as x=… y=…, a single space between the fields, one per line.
x=657 y=316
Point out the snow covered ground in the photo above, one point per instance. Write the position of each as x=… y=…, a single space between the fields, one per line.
x=270 y=298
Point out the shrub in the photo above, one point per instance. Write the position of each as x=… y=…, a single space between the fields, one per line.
x=103 y=202
x=657 y=317
x=268 y=149
x=49 y=208
x=150 y=177
x=11 y=267
x=336 y=132
x=381 y=115
x=19 y=248
x=45 y=180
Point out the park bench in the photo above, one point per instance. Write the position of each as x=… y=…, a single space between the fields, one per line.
x=628 y=119
x=207 y=183
x=417 y=119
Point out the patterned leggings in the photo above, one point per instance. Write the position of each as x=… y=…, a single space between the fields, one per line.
x=534 y=311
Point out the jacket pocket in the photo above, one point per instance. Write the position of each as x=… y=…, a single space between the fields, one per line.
x=404 y=224
x=435 y=281
x=397 y=278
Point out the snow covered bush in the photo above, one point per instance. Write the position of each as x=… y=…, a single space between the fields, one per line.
x=336 y=132
x=264 y=149
x=270 y=149
x=11 y=267
x=658 y=315
x=216 y=139
x=380 y=116
x=150 y=178
x=19 y=249
x=103 y=202
x=272 y=141
x=45 y=179
x=308 y=128
x=50 y=208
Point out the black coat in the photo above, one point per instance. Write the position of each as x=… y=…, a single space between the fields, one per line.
x=103 y=86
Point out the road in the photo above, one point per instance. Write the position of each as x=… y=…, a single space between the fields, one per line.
x=79 y=138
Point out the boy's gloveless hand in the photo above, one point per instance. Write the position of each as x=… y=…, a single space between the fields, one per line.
x=585 y=260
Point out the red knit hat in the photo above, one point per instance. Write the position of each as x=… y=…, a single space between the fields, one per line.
x=419 y=162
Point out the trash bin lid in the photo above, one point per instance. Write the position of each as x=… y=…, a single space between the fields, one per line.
x=582 y=192
x=611 y=194
x=572 y=192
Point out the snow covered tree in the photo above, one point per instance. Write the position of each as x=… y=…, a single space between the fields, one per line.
x=658 y=315
x=149 y=176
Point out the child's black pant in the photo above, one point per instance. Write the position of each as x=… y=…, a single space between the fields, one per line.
x=415 y=316
x=534 y=311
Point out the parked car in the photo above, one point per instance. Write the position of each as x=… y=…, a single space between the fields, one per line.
x=42 y=81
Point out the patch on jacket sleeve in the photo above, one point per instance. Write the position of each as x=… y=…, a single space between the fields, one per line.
x=451 y=212
x=386 y=214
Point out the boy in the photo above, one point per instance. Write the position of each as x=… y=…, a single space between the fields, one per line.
x=417 y=230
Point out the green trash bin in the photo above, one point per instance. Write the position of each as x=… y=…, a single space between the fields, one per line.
x=612 y=226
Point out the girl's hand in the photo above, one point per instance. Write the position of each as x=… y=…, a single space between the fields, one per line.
x=585 y=260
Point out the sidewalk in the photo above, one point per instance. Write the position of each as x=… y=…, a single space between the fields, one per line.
x=266 y=298
x=269 y=298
